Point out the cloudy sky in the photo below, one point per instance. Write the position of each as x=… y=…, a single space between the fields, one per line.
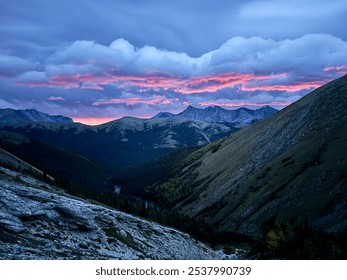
x=100 y=60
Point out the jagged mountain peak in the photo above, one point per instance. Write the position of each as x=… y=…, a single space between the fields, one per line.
x=243 y=116
x=163 y=115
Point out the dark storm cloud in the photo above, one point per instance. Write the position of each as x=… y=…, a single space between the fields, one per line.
x=194 y=27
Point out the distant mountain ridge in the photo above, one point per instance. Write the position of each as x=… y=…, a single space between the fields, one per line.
x=30 y=115
x=218 y=114
x=125 y=141
x=47 y=141
x=213 y=114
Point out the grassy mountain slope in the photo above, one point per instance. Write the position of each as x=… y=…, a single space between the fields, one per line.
x=290 y=168
x=59 y=162
x=127 y=141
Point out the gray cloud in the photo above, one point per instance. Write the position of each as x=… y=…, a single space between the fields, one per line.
x=193 y=27
x=308 y=55
x=12 y=66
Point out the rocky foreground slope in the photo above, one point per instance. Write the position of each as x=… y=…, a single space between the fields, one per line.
x=39 y=221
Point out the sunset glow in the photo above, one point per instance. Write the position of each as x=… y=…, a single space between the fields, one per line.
x=93 y=121
x=193 y=85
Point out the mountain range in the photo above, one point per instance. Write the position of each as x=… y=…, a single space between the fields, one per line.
x=212 y=114
x=128 y=140
x=242 y=116
x=88 y=155
x=124 y=141
x=10 y=116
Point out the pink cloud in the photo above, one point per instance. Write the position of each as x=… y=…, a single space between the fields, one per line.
x=185 y=103
x=339 y=70
x=91 y=85
x=155 y=81
x=194 y=85
x=49 y=84
x=55 y=98
x=208 y=83
x=288 y=88
x=159 y=100
x=244 y=104
x=214 y=83
x=294 y=87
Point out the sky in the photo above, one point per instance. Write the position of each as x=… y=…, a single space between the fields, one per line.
x=96 y=61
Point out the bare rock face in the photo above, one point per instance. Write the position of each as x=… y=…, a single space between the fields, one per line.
x=11 y=223
x=38 y=221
